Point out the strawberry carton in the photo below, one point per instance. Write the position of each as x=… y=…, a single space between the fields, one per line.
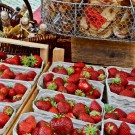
x=120 y=92
x=91 y=72
x=71 y=85
x=7 y=114
x=15 y=73
x=114 y=127
x=13 y=93
x=32 y=61
x=51 y=103
x=33 y=123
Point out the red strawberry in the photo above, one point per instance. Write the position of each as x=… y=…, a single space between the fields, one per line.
x=64 y=107
x=77 y=70
x=3 y=119
x=31 y=74
x=85 y=74
x=42 y=123
x=46 y=130
x=79 y=108
x=122 y=73
x=51 y=85
x=3 y=55
x=1 y=85
x=7 y=100
x=90 y=129
x=111 y=128
x=21 y=76
x=59 y=97
x=88 y=94
x=111 y=115
x=75 y=132
x=88 y=68
x=31 y=120
x=59 y=81
x=71 y=70
x=9 y=73
x=96 y=93
x=70 y=115
x=4 y=91
x=5 y=76
x=120 y=113
x=124 y=129
x=48 y=77
x=112 y=72
x=17 y=97
x=60 y=70
x=15 y=60
x=2 y=97
x=43 y=105
x=11 y=93
x=94 y=75
x=101 y=71
x=80 y=65
x=62 y=125
x=95 y=106
x=121 y=80
x=133 y=72
x=74 y=78
x=84 y=85
x=20 y=88
x=131 y=117
x=125 y=120
x=38 y=61
x=130 y=87
x=96 y=116
x=131 y=79
x=80 y=93
x=35 y=131
x=116 y=88
x=127 y=93
x=101 y=77
x=71 y=88
x=3 y=67
x=53 y=109
x=62 y=89
x=8 y=110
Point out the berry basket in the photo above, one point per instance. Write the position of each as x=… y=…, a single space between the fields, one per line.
x=92 y=19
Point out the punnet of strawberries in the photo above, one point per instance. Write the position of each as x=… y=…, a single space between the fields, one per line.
x=83 y=71
x=7 y=73
x=34 y=61
x=59 y=125
x=58 y=104
x=72 y=85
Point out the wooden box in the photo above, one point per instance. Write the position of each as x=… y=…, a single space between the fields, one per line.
x=103 y=52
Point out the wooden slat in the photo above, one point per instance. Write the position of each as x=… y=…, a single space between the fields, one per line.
x=103 y=52
x=27 y=104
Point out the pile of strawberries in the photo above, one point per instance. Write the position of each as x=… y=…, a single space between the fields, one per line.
x=7 y=73
x=28 y=61
x=110 y=128
x=82 y=70
x=71 y=85
x=60 y=125
x=5 y=115
x=59 y=105
x=119 y=114
x=12 y=94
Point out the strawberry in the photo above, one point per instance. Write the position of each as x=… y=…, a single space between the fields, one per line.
x=132 y=73
x=11 y=93
x=62 y=125
x=120 y=113
x=96 y=116
x=43 y=105
x=4 y=91
x=80 y=65
x=53 y=109
x=111 y=115
x=88 y=68
x=5 y=76
x=95 y=106
x=90 y=129
x=31 y=74
x=112 y=72
x=80 y=93
x=8 y=110
x=3 y=55
x=59 y=81
x=79 y=108
x=125 y=120
x=21 y=76
x=84 y=85
x=46 y=130
x=71 y=70
x=130 y=87
x=60 y=70
x=15 y=60
x=71 y=88
x=48 y=77
x=111 y=128
x=51 y=85
x=96 y=93
x=77 y=70
x=88 y=94
x=94 y=75
x=31 y=120
x=35 y=131
x=64 y=107
x=70 y=115
x=121 y=80
x=131 y=117
x=3 y=67
x=124 y=129
x=122 y=73
x=62 y=89
x=42 y=123
x=6 y=100
x=131 y=79
x=37 y=61
x=85 y=74
x=127 y=93
x=75 y=132
x=101 y=71
x=59 y=97
x=74 y=78
x=17 y=97
x=3 y=119
x=9 y=73
x=2 y=97
x=1 y=85
x=20 y=88
x=101 y=77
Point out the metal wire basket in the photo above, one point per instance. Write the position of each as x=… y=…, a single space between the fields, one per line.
x=91 y=19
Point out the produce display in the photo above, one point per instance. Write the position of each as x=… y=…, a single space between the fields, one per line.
x=71 y=85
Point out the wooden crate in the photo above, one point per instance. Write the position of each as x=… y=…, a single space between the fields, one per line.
x=44 y=55
x=103 y=52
